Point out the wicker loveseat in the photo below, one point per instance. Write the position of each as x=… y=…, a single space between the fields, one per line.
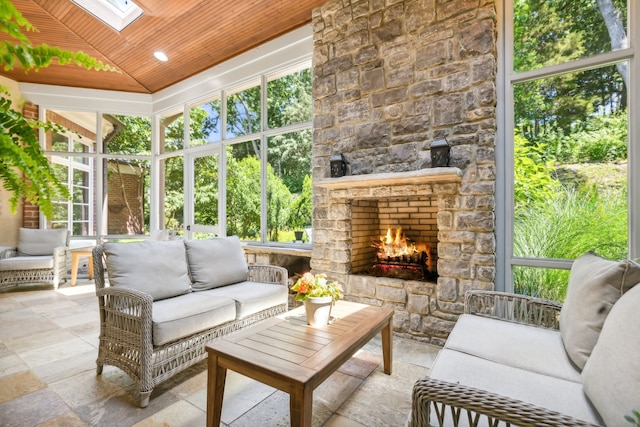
x=166 y=299
x=516 y=360
x=40 y=257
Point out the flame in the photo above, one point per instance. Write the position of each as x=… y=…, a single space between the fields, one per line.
x=397 y=245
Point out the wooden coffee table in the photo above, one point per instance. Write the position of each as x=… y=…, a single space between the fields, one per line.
x=285 y=353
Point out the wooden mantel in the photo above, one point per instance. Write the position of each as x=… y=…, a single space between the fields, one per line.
x=422 y=176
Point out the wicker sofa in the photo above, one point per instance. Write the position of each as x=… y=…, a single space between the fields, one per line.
x=40 y=257
x=516 y=360
x=166 y=299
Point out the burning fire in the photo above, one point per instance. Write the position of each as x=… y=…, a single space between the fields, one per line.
x=398 y=245
x=399 y=257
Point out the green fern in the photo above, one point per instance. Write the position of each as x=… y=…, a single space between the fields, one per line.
x=635 y=421
x=22 y=155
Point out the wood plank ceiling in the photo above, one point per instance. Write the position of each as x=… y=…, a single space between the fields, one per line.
x=195 y=34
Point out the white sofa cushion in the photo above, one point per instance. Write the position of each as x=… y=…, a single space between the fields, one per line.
x=40 y=242
x=252 y=297
x=216 y=262
x=26 y=263
x=176 y=318
x=156 y=267
x=526 y=347
x=537 y=389
x=595 y=284
x=612 y=373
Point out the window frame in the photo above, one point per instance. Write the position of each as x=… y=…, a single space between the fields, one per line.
x=262 y=135
x=506 y=79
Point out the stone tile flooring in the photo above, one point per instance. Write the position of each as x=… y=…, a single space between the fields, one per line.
x=48 y=346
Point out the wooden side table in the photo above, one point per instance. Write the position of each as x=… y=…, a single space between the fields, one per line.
x=75 y=258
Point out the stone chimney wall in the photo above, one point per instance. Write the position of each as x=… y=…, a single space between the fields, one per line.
x=390 y=76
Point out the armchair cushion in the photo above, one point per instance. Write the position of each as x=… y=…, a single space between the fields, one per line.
x=531 y=348
x=216 y=262
x=612 y=374
x=156 y=267
x=40 y=242
x=527 y=386
x=595 y=284
x=26 y=263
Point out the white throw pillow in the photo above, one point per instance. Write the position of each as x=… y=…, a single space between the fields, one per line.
x=595 y=284
x=157 y=267
x=611 y=376
x=216 y=262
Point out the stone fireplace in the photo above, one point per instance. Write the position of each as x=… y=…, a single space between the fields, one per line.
x=390 y=76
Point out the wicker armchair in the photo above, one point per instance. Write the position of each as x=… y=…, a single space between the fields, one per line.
x=464 y=405
x=126 y=335
x=39 y=258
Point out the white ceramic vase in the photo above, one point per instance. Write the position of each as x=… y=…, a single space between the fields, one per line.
x=318 y=310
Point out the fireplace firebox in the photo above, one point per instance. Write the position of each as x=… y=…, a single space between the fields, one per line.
x=400 y=257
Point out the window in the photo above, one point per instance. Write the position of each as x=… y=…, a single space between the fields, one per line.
x=205 y=123
x=243 y=189
x=267 y=168
x=84 y=166
x=171 y=131
x=289 y=186
x=127 y=196
x=243 y=112
x=69 y=147
x=205 y=163
x=568 y=143
x=126 y=142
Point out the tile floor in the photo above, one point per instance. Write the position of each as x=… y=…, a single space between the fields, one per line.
x=48 y=346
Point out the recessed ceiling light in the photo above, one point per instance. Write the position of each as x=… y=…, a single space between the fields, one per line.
x=161 y=56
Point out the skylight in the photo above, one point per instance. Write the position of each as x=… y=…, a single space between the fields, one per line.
x=115 y=13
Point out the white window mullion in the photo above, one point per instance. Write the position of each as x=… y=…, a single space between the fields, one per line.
x=155 y=222
x=634 y=131
x=503 y=164
x=263 y=160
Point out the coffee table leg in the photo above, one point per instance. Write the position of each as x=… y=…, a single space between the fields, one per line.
x=301 y=405
x=387 y=347
x=217 y=376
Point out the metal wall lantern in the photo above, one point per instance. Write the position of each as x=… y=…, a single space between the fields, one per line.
x=440 y=152
x=338 y=166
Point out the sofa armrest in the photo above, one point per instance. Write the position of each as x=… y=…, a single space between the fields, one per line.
x=60 y=254
x=513 y=308
x=8 y=252
x=268 y=274
x=125 y=316
x=469 y=403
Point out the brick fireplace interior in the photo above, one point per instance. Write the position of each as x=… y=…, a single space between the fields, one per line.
x=373 y=219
